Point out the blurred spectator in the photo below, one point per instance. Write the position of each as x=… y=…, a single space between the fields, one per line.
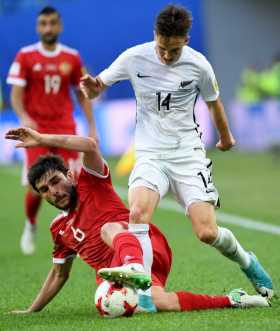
x=258 y=85
x=42 y=76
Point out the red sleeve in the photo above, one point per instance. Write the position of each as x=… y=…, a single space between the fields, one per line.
x=61 y=253
x=18 y=71
x=77 y=72
x=89 y=177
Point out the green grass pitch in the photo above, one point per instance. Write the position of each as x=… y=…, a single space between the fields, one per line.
x=248 y=186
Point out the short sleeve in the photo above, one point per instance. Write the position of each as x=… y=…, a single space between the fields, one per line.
x=208 y=85
x=78 y=71
x=18 y=71
x=61 y=253
x=117 y=70
x=89 y=180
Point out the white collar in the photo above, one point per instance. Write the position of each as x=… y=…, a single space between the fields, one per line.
x=47 y=53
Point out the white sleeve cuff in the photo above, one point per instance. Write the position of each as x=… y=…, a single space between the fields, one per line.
x=104 y=76
x=16 y=81
x=57 y=260
x=97 y=174
x=212 y=97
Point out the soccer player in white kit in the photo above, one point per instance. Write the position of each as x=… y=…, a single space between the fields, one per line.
x=167 y=77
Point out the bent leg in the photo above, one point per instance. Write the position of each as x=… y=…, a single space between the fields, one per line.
x=147 y=184
x=126 y=246
x=142 y=202
x=126 y=267
x=204 y=224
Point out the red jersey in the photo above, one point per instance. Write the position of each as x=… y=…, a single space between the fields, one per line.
x=78 y=232
x=47 y=77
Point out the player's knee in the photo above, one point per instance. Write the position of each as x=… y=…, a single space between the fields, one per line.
x=207 y=235
x=108 y=232
x=138 y=214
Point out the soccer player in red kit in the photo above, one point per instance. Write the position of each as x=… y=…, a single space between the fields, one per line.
x=94 y=225
x=41 y=76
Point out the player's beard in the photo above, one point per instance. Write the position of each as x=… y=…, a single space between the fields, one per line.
x=72 y=200
x=49 y=38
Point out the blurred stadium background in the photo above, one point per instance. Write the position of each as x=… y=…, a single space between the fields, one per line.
x=238 y=38
x=241 y=40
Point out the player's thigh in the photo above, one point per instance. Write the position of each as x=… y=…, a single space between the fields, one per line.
x=191 y=180
x=31 y=155
x=110 y=230
x=147 y=184
x=150 y=174
x=199 y=201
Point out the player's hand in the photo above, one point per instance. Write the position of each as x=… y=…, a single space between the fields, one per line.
x=28 y=122
x=226 y=143
x=27 y=136
x=91 y=87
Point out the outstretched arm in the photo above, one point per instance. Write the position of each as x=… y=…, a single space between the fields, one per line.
x=57 y=277
x=92 y=158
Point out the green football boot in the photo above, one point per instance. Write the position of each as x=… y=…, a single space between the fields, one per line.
x=132 y=275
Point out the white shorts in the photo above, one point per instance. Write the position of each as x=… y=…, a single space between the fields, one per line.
x=188 y=177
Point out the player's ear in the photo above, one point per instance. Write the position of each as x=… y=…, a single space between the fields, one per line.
x=70 y=176
x=187 y=40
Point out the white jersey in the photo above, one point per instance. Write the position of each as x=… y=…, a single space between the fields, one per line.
x=165 y=94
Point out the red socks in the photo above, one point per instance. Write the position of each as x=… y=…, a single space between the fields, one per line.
x=190 y=301
x=32 y=204
x=127 y=248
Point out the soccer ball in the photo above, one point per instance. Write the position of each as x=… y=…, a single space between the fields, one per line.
x=112 y=300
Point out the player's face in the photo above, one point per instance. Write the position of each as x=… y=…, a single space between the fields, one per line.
x=49 y=28
x=59 y=190
x=169 y=49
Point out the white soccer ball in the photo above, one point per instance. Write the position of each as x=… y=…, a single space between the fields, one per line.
x=114 y=301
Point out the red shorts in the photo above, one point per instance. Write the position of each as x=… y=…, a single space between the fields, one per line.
x=162 y=257
x=71 y=158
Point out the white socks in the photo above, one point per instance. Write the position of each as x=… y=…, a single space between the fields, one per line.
x=141 y=231
x=227 y=244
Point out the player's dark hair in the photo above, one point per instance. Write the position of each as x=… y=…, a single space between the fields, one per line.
x=48 y=10
x=42 y=165
x=173 y=21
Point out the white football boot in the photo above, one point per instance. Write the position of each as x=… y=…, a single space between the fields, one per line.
x=240 y=299
x=27 y=241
